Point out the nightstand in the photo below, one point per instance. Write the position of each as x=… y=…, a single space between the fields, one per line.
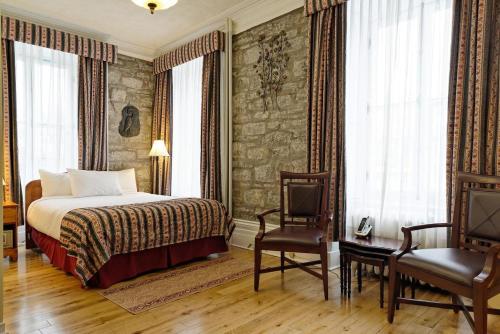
x=10 y=221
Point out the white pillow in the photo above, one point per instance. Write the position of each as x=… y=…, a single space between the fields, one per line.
x=127 y=181
x=55 y=184
x=86 y=183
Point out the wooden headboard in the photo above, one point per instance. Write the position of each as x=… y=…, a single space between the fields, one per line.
x=33 y=192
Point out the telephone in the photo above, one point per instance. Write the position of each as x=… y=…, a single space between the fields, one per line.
x=364 y=228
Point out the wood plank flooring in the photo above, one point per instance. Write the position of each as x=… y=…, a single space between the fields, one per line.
x=41 y=299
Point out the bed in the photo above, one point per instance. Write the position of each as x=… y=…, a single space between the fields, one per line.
x=103 y=240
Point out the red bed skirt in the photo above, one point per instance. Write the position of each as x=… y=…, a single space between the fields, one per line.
x=125 y=266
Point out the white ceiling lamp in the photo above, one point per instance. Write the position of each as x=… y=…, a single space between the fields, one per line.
x=153 y=5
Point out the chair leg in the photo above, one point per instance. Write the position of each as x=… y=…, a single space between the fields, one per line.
x=403 y=285
x=282 y=259
x=381 y=279
x=359 y=277
x=393 y=289
x=454 y=300
x=480 y=304
x=342 y=278
x=398 y=287
x=324 y=268
x=258 y=256
x=413 y=286
x=349 y=274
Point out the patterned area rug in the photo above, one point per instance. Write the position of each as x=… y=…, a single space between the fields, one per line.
x=155 y=289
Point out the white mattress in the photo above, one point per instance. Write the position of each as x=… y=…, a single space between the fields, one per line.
x=46 y=213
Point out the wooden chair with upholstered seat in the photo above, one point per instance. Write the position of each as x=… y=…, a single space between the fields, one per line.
x=469 y=267
x=304 y=221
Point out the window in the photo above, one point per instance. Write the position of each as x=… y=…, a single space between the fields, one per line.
x=47 y=110
x=396 y=113
x=186 y=128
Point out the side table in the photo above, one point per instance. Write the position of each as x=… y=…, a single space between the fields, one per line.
x=373 y=251
x=10 y=222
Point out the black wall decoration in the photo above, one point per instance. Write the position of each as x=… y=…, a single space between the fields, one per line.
x=130 y=125
x=271 y=67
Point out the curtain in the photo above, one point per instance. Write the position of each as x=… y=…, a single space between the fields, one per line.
x=211 y=42
x=314 y=6
x=92 y=114
x=326 y=108
x=186 y=133
x=30 y=33
x=11 y=174
x=46 y=86
x=474 y=120
x=396 y=110
x=162 y=129
x=210 y=128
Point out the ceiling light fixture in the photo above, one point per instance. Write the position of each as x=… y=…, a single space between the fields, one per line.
x=153 y=5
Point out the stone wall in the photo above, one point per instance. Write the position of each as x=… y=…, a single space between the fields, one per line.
x=131 y=81
x=266 y=142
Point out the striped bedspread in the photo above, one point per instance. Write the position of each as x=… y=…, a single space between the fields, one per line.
x=93 y=235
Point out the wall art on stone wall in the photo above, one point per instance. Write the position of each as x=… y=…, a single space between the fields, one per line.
x=130 y=124
x=272 y=67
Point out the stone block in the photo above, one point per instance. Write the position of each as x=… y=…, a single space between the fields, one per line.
x=132 y=82
x=123 y=155
x=264 y=174
x=255 y=197
x=252 y=129
x=117 y=94
x=258 y=153
x=241 y=174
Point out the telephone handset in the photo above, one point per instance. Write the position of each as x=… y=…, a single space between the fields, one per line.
x=364 y=228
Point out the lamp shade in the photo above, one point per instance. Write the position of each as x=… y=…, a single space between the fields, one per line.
x=155 y=4
x=159 y=149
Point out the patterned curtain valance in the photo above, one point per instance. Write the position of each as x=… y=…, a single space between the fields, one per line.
x=21 y=31
x=199 y=47
x=314 y=6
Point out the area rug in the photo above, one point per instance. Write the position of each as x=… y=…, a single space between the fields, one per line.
x=155 y=289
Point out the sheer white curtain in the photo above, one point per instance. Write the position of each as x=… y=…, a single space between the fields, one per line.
x=47 y=110
x=396 y=113
x=186 y=129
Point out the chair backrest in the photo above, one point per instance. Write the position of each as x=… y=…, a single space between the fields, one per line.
x=476 y=216
x=303 y=197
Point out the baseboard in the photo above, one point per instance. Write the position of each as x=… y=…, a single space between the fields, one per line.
x=244 y=237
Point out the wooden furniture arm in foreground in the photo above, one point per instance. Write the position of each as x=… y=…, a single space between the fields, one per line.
x=470 y=263
x=262 y=221
x=408 y=240
x=487 y=275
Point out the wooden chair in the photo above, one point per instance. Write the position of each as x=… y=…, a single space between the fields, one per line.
x=303 y=225
x=469 y=267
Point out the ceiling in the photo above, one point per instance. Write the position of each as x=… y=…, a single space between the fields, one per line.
x=132 y=28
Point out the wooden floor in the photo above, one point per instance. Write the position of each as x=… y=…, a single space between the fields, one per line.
x=42 y=299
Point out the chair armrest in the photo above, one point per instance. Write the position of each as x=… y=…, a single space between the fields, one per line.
x=488 y=273
x=407 y=231
x=424 y=226
x=262 y=221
